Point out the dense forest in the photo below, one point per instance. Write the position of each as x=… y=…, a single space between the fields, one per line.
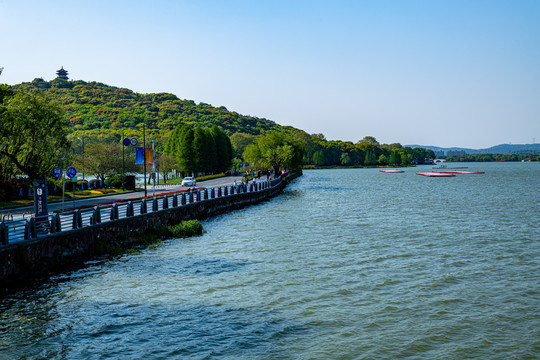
x=492 y=157
x=94 y=107
x=100 y=113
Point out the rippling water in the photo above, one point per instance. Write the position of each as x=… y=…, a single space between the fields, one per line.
x=346 y=264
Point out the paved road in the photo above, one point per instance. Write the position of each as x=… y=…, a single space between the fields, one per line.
x=27 y=210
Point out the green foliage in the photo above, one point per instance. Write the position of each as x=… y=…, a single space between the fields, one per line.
x=33 y=132
x=200 y=150
x=240 y=141
x=6 y=91
x=115 y=181
x=210 y=177
x=187 y=229
x=491 y=157
x=102 y=113
x=94 y=107
x=276 y=151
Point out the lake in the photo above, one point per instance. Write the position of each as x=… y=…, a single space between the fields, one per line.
x=345 y=264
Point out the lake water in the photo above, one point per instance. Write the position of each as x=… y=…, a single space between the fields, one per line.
x=345 y=264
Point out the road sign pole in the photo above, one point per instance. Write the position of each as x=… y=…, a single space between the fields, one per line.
x=63 y=189
x=123 y=146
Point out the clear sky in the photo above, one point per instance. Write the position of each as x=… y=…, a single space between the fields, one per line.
x=432 y=72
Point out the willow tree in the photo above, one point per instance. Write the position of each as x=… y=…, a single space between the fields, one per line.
x=276 y=151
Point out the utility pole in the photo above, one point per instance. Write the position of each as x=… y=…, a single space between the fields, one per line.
x=123 y=146
x=154 y=168
x=144 y=158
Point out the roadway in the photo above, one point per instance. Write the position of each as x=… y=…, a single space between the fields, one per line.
x=27 y=211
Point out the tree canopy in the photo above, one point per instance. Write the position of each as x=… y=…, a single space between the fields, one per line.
x=276 y=151
x=33 y=132
x=200 y=150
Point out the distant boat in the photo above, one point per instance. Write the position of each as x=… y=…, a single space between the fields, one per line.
x=435 y=174
x=391 y=171
x=458 y=172
x=450 y=167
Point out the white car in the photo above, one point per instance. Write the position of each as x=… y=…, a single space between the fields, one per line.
x=189 y=181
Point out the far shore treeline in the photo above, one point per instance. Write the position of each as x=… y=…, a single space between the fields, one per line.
x=76 y=123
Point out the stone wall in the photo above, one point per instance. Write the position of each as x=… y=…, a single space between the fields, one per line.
x=61 y=251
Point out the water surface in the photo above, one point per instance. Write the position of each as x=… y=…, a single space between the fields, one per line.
x=345 y=264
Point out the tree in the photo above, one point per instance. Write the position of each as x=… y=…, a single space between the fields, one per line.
x=33 y=132
x=224 y=150
x=369 y=140
x=6 y=91
x=370 y=158
x=200 y=149
x=166 y=164
x=345 y=159
x=277 y=151
x=395 y=157
x=240 y=141
x=103 y=160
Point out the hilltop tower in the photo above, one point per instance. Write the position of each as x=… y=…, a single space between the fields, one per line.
x=62 y=74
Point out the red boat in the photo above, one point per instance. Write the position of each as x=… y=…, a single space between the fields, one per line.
x=459 y=172
x=391 y=171
x=435 y=174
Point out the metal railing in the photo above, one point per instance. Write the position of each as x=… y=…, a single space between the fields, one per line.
x=14 y=231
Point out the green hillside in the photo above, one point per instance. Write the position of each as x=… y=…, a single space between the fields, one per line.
x=94 y=108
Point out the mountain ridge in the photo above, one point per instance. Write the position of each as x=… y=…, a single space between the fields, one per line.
x=521 y=149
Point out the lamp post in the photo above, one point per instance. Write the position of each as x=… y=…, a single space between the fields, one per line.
x=144 y=158
x=123 y=146
x=82 y=139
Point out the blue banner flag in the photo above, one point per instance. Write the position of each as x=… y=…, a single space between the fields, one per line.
x=139 y=156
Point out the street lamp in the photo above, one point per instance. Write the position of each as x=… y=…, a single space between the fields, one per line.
x=82 y=139
x=144 y=158
x=123 y=146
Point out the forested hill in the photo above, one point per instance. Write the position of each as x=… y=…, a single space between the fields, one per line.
x=93 y=107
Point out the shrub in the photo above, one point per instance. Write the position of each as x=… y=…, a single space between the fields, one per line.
x=115 y=181
x=94 y=184
x=83 y=183
x=209 y=177
x=187 y=228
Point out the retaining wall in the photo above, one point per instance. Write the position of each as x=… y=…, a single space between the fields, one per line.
x=64 y=250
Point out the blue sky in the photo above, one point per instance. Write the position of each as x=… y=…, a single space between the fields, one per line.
x=447 y=73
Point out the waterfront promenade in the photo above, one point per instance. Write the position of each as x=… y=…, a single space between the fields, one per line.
x=27 y=211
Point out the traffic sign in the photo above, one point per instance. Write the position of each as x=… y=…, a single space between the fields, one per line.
x=133 y=141
x=126 y=142
x=247 y=164
x=71 y=172
x=241 y=164
x=57 y=172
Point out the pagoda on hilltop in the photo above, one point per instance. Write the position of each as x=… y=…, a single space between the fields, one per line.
x=62 y=74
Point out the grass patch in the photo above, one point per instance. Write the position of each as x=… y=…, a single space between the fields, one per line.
x=187 y=229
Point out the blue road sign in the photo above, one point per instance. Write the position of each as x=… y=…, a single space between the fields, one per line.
x=71 y=172
x=126 y=142
x=240 y=165
x=57 y=172
x=246 y=164
x=133 y=141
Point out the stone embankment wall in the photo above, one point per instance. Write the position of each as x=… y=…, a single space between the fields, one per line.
x=61 y=251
